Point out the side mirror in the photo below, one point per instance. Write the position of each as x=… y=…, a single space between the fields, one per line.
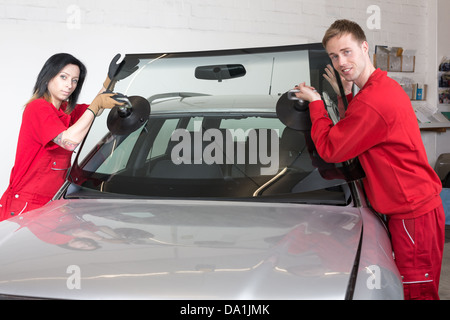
x=127 y=118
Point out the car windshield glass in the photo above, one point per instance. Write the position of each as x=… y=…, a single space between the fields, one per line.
x=213 y=131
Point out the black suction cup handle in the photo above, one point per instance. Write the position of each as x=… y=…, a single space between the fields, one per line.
x=300 y=105
x=293 y=113
x=129 y=117
x=124 y=110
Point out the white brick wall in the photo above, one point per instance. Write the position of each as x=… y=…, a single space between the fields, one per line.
x=31 y=31
x=281 y=17
x=400 y=19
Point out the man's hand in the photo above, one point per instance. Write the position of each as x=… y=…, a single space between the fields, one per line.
x=307 y=93
x=330 y=76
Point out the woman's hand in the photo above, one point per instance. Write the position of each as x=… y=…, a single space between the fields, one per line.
x=106 y=100
x=128 y=67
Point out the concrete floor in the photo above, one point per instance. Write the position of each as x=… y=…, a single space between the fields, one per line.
x=444 y=285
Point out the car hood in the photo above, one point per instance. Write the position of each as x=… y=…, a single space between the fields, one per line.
x=155 y=249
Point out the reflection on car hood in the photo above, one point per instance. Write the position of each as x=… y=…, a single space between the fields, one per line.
x=154 y=249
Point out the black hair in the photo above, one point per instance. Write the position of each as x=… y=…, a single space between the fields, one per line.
x=50 y=70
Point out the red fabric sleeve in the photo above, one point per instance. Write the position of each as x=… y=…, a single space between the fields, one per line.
x=45 y=121
x=350 y=137
x=342 y=107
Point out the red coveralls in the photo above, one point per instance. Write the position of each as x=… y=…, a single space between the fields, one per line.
x=41 y=165
x=380 y=128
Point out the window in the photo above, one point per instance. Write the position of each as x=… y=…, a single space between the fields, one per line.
x=214 y=138
x=162 y=139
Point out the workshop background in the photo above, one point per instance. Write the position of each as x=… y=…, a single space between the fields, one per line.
x=94 y=31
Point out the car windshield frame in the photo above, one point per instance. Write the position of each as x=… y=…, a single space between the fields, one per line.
x=226 y=80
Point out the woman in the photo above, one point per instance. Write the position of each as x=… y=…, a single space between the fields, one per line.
x=53 y=125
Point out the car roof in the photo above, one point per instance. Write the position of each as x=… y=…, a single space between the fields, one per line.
x=253 y=104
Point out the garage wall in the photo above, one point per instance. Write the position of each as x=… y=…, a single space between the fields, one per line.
x=94 y=31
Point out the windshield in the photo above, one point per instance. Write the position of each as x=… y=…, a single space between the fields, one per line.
x=213 y=131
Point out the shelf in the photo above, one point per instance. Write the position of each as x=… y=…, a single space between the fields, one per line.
x=443 y=90
x=435 y=126
x=394 y=59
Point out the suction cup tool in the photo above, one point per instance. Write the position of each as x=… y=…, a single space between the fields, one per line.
x=294 y=113
x=125 y=119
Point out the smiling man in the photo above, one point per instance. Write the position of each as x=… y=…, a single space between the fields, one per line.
x=381 y=129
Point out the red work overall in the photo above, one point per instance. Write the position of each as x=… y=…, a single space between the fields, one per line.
x=380 y=128
x=41 y=165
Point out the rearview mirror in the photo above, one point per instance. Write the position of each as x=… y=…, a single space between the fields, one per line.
x=220 y=72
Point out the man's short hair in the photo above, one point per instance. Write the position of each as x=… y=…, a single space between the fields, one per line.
x=341 y=27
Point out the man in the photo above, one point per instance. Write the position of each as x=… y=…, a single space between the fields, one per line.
x=380 y=128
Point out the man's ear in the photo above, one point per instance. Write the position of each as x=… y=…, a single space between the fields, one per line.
x=365 y=47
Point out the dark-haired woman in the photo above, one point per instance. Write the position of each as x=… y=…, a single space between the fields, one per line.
x=53 y=125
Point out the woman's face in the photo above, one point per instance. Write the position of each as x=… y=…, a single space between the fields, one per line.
x=63 y=84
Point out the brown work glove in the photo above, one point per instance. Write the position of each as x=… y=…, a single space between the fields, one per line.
x=126 y=68
x=106 y=100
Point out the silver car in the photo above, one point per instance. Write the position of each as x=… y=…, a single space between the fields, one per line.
x=207 y=186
